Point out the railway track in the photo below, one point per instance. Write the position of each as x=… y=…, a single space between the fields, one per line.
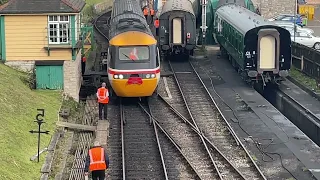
x=224 y=155
x=204 y=147
x=141 y=150
x=101 y=24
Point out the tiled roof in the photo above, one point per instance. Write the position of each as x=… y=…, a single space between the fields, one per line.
x=42 y=6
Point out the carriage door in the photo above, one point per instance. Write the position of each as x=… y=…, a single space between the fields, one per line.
x=267 y=52
x=177 y=31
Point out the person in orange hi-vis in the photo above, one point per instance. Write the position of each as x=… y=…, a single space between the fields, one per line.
x=146 y=12
x=156 y=25
x=133 y=54
x=97 y=162
x=103 y=100
x=152 y=15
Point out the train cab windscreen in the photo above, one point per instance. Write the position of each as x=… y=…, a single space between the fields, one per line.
x=134 y=53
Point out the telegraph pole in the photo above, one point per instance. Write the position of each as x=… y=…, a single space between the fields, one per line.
x=204 y=20
x=39 y=121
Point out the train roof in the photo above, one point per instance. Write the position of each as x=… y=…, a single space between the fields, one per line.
x=238 y=2
x=242 y=18
x=177 y=5
x=127 y=16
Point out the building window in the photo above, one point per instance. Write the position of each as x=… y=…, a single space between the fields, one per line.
x=59 y=29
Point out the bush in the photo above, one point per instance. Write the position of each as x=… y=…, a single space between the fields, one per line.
x=88 y=14
x=30 y=79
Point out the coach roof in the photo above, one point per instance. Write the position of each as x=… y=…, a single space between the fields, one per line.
x=177 y=5
x=242 y=18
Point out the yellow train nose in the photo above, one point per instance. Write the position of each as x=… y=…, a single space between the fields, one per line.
x=126 y=88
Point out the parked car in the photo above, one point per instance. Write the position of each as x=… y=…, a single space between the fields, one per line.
x=288 y=17
x=290 y=26
x=306 y=39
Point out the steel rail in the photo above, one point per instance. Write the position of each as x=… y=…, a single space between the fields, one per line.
x=224 y=118
x=96 y=22
x=201 y=134
x=157 y=138
x=154 y=119
x=123 y=121
x=194 y=122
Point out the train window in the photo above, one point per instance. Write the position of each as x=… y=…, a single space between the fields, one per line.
x=134 y=53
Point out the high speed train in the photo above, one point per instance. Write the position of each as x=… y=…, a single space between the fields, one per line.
x=133 y=56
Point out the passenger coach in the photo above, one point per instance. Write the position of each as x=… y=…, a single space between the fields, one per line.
x=257 y=48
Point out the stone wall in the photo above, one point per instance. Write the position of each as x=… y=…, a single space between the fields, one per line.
x=25 y=66
x=72 y=77
x=271 y=8
x=71 y=73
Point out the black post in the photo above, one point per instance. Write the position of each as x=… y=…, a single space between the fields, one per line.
x=39 y=121
x=39 y=124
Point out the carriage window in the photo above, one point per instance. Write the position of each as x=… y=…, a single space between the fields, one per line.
x=134 y=53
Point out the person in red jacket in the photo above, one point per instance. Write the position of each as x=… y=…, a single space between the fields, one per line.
x=103 y=100
x=97 y=162
x=156 y=25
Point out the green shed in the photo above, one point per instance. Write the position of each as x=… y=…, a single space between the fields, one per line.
x=49 y=74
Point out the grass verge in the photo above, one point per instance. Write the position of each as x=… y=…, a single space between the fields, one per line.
x=18 y=109
x=304 y=79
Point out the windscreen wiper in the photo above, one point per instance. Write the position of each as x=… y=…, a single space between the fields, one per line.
x=127 y=57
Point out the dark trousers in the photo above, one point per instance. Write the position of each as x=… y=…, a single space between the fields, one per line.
x=105 y=110
x=98 y=175
x=83 y=67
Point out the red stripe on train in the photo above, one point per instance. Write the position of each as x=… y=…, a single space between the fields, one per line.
x=134 y=72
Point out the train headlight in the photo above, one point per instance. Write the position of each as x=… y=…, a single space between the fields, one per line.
x=116 y=76
x=120 y=76
x=147 y=75
x=153 y=75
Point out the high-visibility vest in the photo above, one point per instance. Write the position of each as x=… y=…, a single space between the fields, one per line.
x=145 y=12
x=156 y=23
x=152 y=12
x=102 y=95
x=97 y=159
x=133 y=54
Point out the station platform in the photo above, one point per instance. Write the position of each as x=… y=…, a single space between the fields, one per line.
x=102 y=132
x=270 y=137
x=311 y=103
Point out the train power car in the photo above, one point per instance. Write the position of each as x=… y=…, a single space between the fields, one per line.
x=257 y=48
x=177 y=33
x=133 y=56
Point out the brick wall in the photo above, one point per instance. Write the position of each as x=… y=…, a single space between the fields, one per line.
x=271 y=8
x=25 y=66
x=72 y=77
